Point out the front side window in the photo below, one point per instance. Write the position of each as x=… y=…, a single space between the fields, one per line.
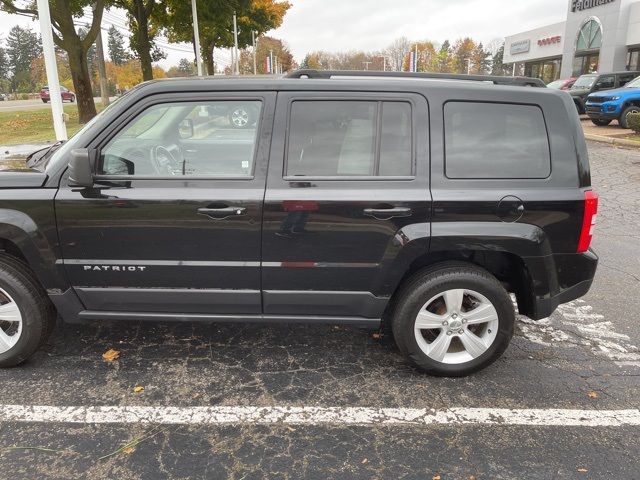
x=606 y=82
x=216 y=138
x=349 y=139
x=494 y=141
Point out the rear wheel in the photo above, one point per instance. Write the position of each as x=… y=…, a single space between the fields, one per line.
x=601 y=123
x=453 y=320
x=26 y=314
x=624 y=118
x=44 y=100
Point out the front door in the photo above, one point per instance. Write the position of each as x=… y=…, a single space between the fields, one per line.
x=347 y=194
x=173 y=222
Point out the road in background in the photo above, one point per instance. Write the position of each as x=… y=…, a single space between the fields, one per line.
x=36 y=104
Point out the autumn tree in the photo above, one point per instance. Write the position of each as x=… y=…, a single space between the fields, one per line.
x=480 y=60
x=397 y=52
x=215 y=22
x=318 y=60
x=115 y=46
x=145 y=21
x=497 y=65
x=427 y=57
x=462 y=54
x=264 y=48
x=64 y=13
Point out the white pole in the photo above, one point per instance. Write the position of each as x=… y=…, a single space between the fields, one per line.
x=196 y=37
x=468 y=66
x=271 y=61
x=514 y=69
x=253 y=43
x=236 y=69
x=415 y=63
x=52 y=70
x=384 y=64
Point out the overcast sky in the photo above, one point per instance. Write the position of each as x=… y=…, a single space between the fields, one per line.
x=339 y=25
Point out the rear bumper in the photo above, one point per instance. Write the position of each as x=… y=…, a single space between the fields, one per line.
x=557 y=279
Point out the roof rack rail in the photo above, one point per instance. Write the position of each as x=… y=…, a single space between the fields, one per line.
x=496 y=80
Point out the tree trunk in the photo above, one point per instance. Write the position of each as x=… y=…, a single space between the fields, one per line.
x=207 y=57
x=144 y=45
x=81 y=83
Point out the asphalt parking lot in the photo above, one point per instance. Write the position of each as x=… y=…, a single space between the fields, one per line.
x=584 y=358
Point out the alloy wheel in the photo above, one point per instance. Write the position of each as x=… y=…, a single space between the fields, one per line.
x=456 y=326
x=240 y=117
x=10 y=322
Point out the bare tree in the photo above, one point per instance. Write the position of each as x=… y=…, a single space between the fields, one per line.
x=397 y=51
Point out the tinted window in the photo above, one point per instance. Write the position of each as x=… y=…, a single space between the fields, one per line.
x=605 y=83
x=487 y=140
x=339 y=138
x=624 y=79
x=186 y=139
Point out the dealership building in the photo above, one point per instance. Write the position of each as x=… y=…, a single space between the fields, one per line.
x=598 y=36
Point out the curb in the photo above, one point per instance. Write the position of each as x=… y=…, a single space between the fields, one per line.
x=612 y=141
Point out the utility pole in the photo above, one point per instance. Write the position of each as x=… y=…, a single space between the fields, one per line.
x=468 y=66
x=384 y=63
x=275 y=70
x=253 y=43
x=52 y=70
x=102 y=70
x=236 y=68
x=196 y=37
x=415 y=66
x=270 y=61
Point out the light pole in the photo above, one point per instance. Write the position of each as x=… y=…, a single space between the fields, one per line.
x=468 y=66
x=196 y=37
x=236 y=67
x=52 y=70
x=253 y=43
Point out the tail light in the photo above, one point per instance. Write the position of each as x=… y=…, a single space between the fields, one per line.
x=588 y=220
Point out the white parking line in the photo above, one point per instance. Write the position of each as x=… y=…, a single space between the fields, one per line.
x=223 y=415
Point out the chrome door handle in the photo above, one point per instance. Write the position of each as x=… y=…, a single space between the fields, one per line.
x=387 y=213
x=222 y=212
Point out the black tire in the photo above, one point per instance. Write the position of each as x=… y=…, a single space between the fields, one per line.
x=601 y=123
x=72 y=99
x=38 y=313
x=426 y=284
x=579 y=108
x=44 y=101
x=624 y=123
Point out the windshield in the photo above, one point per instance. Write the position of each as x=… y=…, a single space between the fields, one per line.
x=585 y=81
x=635 y=83
x=556 y=85
x=73 y=141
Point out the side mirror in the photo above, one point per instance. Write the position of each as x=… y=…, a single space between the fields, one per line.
x=80 y=168
x=185 y=128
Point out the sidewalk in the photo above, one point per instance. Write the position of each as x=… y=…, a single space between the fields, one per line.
x=612 y=134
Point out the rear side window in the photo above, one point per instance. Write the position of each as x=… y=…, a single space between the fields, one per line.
x=346 y=138
x=494 y=140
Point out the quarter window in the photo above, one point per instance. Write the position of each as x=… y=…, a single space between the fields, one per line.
x=198 y=139
x=349 y=139
x=490 y=140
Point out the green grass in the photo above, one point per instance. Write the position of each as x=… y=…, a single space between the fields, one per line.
x=30 y=126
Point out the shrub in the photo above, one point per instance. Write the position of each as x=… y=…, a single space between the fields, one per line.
x=634 y=122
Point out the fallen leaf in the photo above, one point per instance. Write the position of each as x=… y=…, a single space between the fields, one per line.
x=291 y=429
x=364 y=461
x=376 y=336
x=436 y=477
x=138 y=389
x=110 y=355
x=592 y=394
x=128 y=450
x=583 y=470
x=472 y=477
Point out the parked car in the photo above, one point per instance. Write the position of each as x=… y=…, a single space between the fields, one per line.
x=617 y=104
x=365 y=201
x=596 y=82
x=562 y=84
x=67 y=95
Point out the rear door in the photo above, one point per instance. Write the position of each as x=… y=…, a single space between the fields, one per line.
x=173 y=222
x=347 y=189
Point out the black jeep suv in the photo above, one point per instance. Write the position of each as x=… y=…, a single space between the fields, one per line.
x=347 y=198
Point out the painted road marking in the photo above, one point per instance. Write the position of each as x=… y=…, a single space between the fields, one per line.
x=577 y=323
x=223 y=415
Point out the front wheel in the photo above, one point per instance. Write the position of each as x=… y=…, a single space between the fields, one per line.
x=624 y=118
x=453 y=320
x=27 y=316
x=600 y=123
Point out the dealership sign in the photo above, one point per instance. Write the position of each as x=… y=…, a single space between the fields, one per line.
x=579 y=5
x=522 y=46
x=549 y=41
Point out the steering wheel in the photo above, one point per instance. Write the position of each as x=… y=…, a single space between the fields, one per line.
x=167 y=161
